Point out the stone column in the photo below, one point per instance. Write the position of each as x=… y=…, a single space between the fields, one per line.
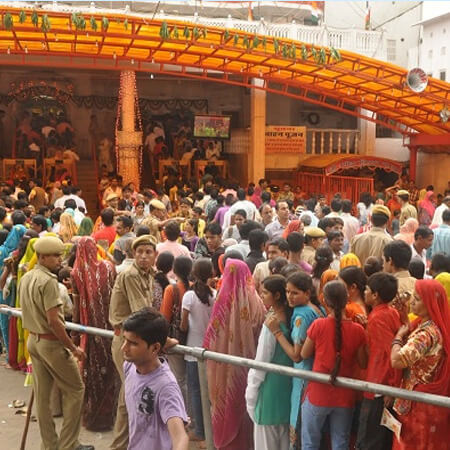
x=129 y=139
x=367 y=137
x=257 y=151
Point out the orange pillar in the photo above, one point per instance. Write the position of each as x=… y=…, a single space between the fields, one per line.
x=412 y=162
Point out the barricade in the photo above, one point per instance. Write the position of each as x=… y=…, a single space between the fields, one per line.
x=202 y=354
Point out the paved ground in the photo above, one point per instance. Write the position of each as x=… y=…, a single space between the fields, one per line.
x=11 y=424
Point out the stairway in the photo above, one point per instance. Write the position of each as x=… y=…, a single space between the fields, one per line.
x=87 y=181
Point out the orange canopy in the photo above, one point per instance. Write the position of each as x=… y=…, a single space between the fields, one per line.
x=339 y=80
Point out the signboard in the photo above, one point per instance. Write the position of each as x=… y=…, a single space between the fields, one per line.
x=358 y=163
x=285 y=139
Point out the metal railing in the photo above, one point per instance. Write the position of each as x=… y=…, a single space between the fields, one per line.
x=202 y=354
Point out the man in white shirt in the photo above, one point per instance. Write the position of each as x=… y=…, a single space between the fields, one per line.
x=67 y=193
x=351 y=223
x=437 y=218
x=246 y=205
x=336 y=207
x=277 y=227
x=423 y=239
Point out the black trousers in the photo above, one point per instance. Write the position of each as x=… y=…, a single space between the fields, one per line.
x=372 y=435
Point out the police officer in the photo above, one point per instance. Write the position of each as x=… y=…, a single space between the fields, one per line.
x=53 y=354
x=133 y=290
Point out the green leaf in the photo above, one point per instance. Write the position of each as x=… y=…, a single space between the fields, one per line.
x=164 y=31
x=314 y=53
x=186 y=32
x=195 y=33
x=226 y=35
x=125 y=24
x=35 y=18
x=22 y=16
x=322 y=56
x=8 y=21
x=304 y=52
x=236 y=39
x=264 y=42
x=45 y=23
x=276 y=45
x=285 y=51
x=246 y=42
x=335 y=54
x=293 y=51
x=204 y=33
x=105 y=23
x=255 y=42
x=93 y=23
x=175 y=32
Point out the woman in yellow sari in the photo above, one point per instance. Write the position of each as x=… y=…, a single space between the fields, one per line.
x=68 y=227
x=25 y=265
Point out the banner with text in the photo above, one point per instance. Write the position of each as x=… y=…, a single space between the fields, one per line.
x=285 y=139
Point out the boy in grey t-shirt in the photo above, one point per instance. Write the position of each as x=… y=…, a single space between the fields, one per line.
x=156 y=412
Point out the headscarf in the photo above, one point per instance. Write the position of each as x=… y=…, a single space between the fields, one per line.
x=25 y=263
x=68 y=228
x=444 y=279
x=427 y=204
x=93 y=280
x=86 y=227
x=350 y=259
x=293 y=226
x=407 y=231
x=11 y=242
x=327 y=276
x=70 y=211
x=233 y=329
x=434 y=297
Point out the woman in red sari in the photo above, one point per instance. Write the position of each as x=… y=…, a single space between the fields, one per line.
x=234 y=328
x=92 y=283
x=425 y=360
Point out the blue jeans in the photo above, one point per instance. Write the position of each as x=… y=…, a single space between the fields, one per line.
x=193 y=385
x=313 y=419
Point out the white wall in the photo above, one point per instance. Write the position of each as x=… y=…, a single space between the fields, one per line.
x=391 y=148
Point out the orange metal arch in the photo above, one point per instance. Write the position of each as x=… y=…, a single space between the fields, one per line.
x=352 y=84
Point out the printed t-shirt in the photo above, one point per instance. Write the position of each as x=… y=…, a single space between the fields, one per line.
x=152 y=399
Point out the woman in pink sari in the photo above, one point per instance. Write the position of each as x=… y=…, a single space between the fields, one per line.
x=426 y=209
x=233 y=329
x=92 y=283
x=407 y=231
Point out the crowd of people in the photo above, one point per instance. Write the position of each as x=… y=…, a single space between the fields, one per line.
x=357 y=290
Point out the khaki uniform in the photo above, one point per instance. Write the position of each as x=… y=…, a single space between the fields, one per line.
x=407 y=212
x=133 y=290
x=152 y=222
x=371 y=243
x=52 y=362
x=308 y=255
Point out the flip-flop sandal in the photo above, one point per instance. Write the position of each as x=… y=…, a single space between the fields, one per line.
x=18 y=403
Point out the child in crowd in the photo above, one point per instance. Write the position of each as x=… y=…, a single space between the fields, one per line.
x=337 y=344
x=189 y=237
x=197 y=305
x=382 y=326
x=156 y=412
x=301 y=296
x=268 y=395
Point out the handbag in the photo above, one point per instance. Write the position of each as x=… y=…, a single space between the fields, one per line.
x=174 y=326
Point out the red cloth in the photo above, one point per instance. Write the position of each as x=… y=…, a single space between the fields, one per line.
x=322 y=332
x=106 y=233
x=425 y=426
x=382 y=326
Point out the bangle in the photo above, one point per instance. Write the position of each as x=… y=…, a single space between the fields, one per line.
x=277 y=333
x=397 y=342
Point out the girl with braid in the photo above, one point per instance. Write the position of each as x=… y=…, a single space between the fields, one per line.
x=338 y=344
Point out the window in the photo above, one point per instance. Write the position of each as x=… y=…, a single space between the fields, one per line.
x=442 y=75
x=443 y=50
x=430 y=54
x=391 y=45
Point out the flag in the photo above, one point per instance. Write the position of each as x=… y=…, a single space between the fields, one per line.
x=367 y=25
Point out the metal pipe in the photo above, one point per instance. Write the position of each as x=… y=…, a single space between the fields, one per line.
x=200 y=353
x=206 y=406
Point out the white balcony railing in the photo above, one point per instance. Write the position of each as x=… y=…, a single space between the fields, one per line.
x=367 y=43
x=319 y=141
